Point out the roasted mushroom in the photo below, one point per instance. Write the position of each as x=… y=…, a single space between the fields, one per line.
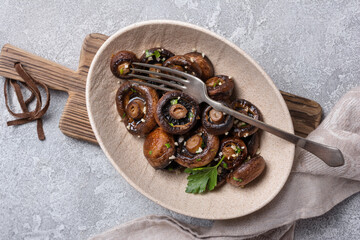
x=136 y=104
x=216 y=122
x=234 y=152
x=183 y=64
x=253 y=144
x=159 y=148
x=242 y=129
x=176 y=112
x=207 y=69
x=121 y=62
x=246 y=172
x=220 y=87
x=156 y=56
x=197 y=149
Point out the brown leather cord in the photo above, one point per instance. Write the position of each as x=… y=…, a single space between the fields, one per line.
x=27 y=116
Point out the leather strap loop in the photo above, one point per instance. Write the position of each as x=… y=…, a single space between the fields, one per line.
x=27 y=116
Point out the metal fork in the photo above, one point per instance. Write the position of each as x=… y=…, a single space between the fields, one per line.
x=196 y=88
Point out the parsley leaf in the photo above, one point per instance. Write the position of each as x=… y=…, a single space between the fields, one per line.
x=238 y=150
x=157 y=54
x=202 y=179
x=148 y=54
x=174 y=101
x=168 y=145
x=237 y=179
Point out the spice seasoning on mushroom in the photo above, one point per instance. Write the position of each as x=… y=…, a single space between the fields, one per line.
x=121 y=62
x=159 y=148
x=197 y=149
x=234 y=151
x=246 y=172
x=136 y=105
x=207 y=69
x=176 y=112
x=242 y=129
x=216 y=122
x=220 y=87
x=183 y=64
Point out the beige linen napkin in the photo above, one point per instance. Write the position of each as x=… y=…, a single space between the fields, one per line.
x=312 y=189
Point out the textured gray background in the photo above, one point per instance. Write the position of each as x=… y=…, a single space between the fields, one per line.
x=66 y=189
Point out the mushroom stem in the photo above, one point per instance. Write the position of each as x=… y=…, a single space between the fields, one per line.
x=135 y=109
x=194 y=143
x=178 y=111
x=216 y=116
x=228 y=151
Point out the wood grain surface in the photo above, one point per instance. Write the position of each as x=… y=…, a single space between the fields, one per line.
x=74 y=122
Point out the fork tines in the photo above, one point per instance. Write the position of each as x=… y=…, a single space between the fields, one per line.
x=180 y=81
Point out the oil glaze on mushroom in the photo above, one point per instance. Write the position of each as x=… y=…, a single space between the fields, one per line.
x=159 y=148
x=216 y=122
x=253 y=145
x=207 y=69
x=220 y=87
x=246 y=172
x=121 y=62
x=234 y=152
x=183 y=64
x=242 y=129
x=197 y=149
x=136 y=105
x=176 y=112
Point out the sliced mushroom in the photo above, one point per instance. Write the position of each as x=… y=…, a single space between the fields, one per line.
x=121 y=62
x=220 y=87
x=156 y=56
x=234 y=152
x=253 y=145
x=183 y=64
x=247 y=172
x=136 y=104
x=159 y=148
x=207 y=69
x=242 y=129
x=197 y=149
x=216 y=122
x=176 y=112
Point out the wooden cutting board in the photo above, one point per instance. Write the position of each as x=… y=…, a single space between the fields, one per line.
x=74 y=122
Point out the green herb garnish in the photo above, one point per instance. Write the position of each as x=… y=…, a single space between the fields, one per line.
x=174 y=101
x=121 y=71
x=133 y=90
x=216 y=83
x=190 y=115
x=243 y=124
x=237 y=179
x=198 y=160
x=150 y=152
x=124 y=115
x=168 y=145
x=148 y=54
x=157 y=54
x=171 y=124
x=202 y=179
x=238 y=150
x=225 y=165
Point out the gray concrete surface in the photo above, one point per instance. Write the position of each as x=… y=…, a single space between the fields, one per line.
x=66 y=189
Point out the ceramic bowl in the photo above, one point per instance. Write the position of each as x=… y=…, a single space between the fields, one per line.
x=125 y=151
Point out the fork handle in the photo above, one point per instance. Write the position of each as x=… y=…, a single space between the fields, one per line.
x=330 y=155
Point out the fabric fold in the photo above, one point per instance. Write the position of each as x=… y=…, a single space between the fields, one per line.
x=312 y=189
